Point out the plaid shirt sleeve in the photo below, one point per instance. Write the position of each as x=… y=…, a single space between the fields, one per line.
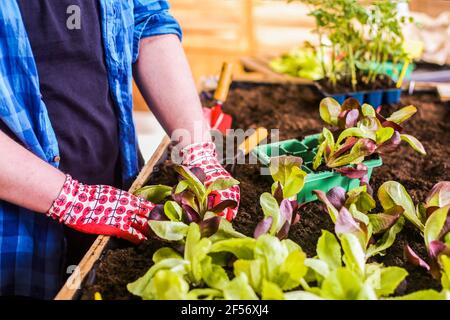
x=152 y=18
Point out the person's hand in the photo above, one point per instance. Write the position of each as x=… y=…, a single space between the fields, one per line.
x=203 y=156
x=102 y=210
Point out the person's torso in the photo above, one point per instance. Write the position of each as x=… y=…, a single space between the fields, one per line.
x=66 y=40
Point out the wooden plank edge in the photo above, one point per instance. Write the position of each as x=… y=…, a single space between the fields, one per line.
x=261 y=65
x=69 y=291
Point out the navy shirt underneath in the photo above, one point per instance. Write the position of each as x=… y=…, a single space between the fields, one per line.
x=74 y=85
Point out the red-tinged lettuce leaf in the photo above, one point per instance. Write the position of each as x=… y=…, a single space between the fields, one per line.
x=284 y=231
x=361 y=149
x=436 y=224
x=336 y=196
x=296 y=219
x=390 y=124
x=346 y=223
x=263 y=227
x=347 y=145
x=199 y=173
x=341 y=119
x=352 y=118
x=286 y=210
x=190 y=215
x=208 y=227
x=437 y=248
x=348 y=118
x=439 y=195
x=213 y=200
x=158 y=213
x=415 y=259
x=383 y=221
x=278 y=192
x=445 y=228
x=221 y=206
x=378 y=110
x=390 y=145
x=330 y=208
x=350 y=104
x=353 y=172
x=186 y=198
x=364 y=181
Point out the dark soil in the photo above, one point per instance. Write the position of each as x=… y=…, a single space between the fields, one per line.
x=294 y=110
x=345 y=85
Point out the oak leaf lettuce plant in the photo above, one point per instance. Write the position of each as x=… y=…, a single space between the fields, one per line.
x=189 y=201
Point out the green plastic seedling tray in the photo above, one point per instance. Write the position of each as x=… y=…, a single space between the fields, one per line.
x=307 y=149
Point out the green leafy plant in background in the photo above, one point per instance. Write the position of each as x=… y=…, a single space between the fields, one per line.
x=361 y=131
x=361 y=38
x=189 y=201
x=301 y=62
x=280 y=208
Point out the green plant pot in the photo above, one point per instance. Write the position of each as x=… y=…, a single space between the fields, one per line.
x=307 y=149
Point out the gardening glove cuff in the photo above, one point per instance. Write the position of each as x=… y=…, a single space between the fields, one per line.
x=100 y=209
x=204 y=156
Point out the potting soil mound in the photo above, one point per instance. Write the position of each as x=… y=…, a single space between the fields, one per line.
x=294 y=110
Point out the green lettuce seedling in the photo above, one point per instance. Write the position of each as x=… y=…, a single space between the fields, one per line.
x=172 y=276
x=189 y=201
x=263 y=268
x=280 y=208
x=271 y=266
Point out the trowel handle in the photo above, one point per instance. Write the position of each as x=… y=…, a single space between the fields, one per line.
x=251 y=142
x=223 y=86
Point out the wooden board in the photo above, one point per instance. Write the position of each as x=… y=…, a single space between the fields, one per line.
x=72 y=288
x=261 y=64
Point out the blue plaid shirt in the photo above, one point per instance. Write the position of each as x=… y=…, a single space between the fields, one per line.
x=32 y=245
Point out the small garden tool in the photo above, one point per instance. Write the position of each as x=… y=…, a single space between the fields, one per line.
x=217 y=118
x=246 y=147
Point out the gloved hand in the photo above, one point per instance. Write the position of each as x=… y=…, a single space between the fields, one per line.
x=204 y=156
x=102 y=210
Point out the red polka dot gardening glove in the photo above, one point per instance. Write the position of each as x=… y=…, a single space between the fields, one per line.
x=204 y=156
x=102 y=210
